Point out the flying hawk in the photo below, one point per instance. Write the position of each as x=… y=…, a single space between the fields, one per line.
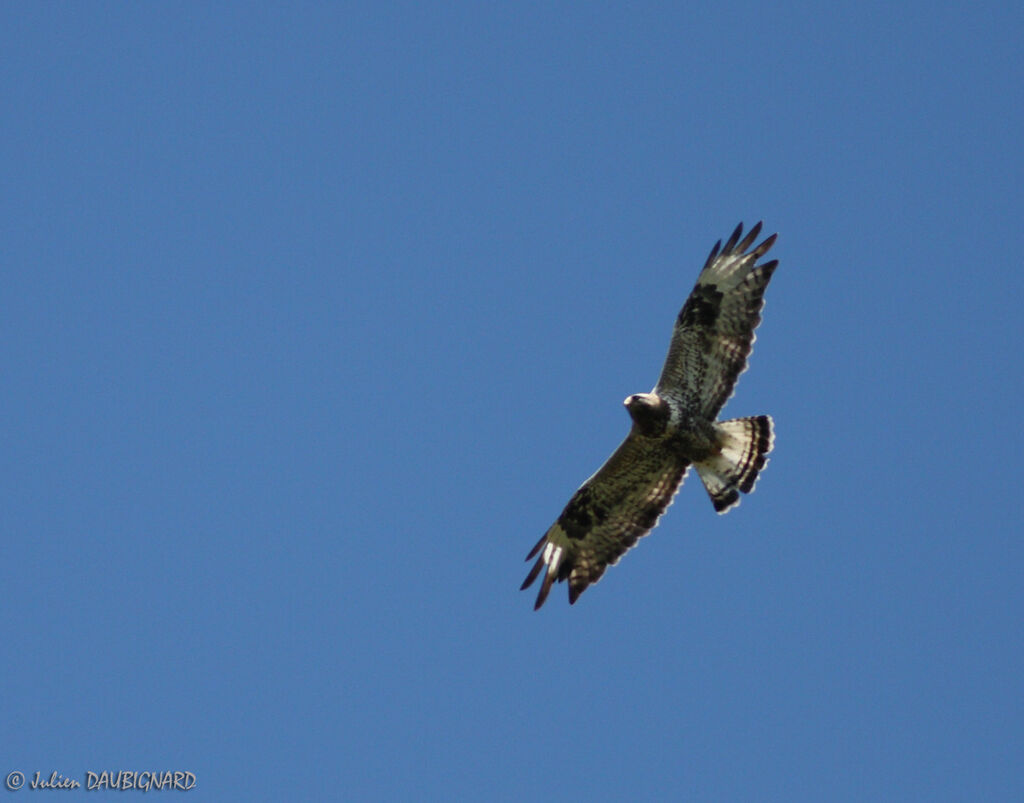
x=673 y=426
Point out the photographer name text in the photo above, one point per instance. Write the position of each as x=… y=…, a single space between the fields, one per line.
x=121 y=780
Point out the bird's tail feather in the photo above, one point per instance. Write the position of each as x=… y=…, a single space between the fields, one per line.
x=746 y=443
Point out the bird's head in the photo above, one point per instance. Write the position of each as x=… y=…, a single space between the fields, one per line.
x=649 y=412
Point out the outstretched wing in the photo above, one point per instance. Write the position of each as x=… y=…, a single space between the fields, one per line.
x=606 y=516
x=714 y=332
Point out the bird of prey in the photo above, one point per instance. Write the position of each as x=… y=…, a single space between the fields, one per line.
x=674 y=426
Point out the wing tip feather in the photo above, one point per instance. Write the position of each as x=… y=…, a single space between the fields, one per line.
x=767 y=243
x=533 y=574
x=747 y=241
x=713 y=254
x=733 y=239
x=536 y=549
x=545 y=589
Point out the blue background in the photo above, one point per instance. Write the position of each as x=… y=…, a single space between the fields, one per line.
x=313 y=317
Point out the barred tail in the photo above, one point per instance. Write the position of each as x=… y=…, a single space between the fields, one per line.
x=734 y=469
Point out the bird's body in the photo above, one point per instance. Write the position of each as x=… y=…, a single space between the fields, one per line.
x=674 y=426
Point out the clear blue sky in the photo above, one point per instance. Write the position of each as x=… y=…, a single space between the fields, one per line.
x=314 y=317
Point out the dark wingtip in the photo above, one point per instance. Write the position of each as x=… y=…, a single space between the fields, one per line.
x=713 y=254
x=536 y=549
x=746 y=242
x=533 y=574
x=733 y=239
x=762 y=249
x=545 y=589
